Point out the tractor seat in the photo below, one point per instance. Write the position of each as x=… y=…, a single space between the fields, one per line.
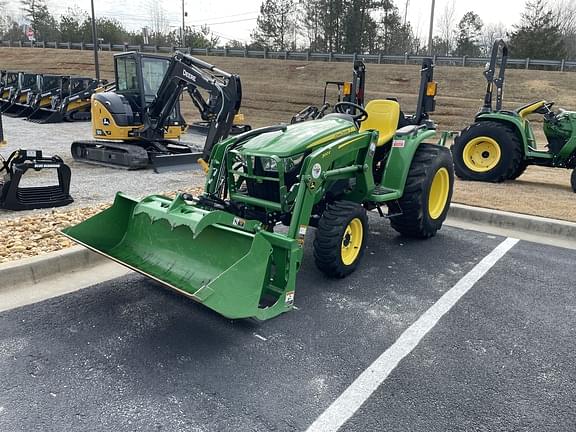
x=525 y=110
x=383 y=116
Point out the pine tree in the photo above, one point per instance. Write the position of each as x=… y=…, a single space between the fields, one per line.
x=312 y=24
x=538 y=36
x=394 y=37
x=275 y=24
x=468 y=35
x=41 y=20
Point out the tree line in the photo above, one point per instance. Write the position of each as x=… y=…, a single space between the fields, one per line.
x=75 y=25
x=546 y=30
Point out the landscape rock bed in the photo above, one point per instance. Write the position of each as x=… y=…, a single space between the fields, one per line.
x=36 y=234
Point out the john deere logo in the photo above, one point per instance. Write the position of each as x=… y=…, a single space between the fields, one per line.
x=188 y=75
x=106 y=121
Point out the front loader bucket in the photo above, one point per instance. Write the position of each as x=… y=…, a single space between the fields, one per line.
x=198 y=253
x=18 y=110
x=11 y=109
x=45 y=115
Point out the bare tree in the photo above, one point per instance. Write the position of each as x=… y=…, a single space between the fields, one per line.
x=565 y=15
x=158 y=21
x=447 y=26
x=490 y=33
x=3 y=16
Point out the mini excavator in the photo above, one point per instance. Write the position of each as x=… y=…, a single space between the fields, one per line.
x=139 y=124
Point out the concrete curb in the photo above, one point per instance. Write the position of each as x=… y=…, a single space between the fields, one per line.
x=514 y=221
x=31 y=271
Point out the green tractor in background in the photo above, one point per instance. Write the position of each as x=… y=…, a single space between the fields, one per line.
x=500 y=144
x=226 y=248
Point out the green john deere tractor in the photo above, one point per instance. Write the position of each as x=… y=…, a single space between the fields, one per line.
x=224 y=248
x=500 y=144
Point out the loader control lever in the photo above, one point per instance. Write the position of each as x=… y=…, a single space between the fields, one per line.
x=549 y=115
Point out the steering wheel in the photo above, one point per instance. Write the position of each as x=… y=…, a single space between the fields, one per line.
x=343 y=107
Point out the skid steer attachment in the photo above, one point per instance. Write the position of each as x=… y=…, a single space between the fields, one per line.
x=14 y=197
x=19 y=95
x=70 y=101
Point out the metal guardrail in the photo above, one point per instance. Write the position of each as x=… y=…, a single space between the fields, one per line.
x=559 y=65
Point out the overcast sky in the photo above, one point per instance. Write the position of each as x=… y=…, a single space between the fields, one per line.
x=235 y=19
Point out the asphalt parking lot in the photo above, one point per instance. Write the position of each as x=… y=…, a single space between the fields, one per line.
x=129 y=355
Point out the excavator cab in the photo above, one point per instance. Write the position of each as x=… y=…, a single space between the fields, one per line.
x=118 y=115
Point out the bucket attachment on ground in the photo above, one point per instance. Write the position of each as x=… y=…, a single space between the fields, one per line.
x=14 y=109
x=46 y=115
x=14 y=197
x=18 y=109
x=226 y=263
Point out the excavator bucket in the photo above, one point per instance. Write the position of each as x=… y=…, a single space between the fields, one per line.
x=209 y=256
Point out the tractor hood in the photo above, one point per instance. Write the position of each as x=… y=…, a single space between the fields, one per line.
x=299 y=137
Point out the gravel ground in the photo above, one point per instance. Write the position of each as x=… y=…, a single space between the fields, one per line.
x=91 y=185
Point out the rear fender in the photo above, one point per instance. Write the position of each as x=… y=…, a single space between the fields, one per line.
x=522 y=127
x=401 y=154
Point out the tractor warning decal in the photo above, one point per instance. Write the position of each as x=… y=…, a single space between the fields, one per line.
x=239 y=222
x=302 y=235
x=372 y=148
x=398 y=143
x=316 y=170
x=289 y=298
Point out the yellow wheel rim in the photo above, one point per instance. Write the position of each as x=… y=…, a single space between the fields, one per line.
x=352 y=241
x=439 y=191
x=481 y=154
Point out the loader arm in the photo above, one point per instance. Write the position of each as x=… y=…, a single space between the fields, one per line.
x=187 y=72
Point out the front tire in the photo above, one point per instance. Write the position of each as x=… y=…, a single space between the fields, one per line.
x=573 y=180
x=488 y=151
x=427 y=193
x=340 y=238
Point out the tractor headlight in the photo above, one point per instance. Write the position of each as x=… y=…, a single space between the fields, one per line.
x=292 y=162
x=269 y=164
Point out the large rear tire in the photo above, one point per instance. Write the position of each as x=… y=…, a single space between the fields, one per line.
x=573 y=180
x=519 y=171
x=488 y=151
x=427 y=193
x=340 y=238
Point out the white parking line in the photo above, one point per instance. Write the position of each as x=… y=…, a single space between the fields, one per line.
x=360 y=390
